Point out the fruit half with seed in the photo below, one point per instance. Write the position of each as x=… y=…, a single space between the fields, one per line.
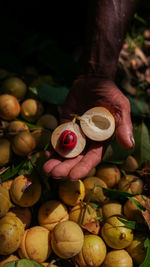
x=97 y=123
x=68 y=140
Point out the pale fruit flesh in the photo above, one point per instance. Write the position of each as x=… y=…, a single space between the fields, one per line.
x=81 y=140
x=97 y=124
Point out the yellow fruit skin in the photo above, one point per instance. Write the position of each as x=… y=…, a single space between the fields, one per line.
x=15 y=86
x=9 y=107
x=95 y=185
x=131 y=184
x=31 y=110
x=7 y=184
x=136 y=249
x=5 y=152
x=8 y=259
x=67 y=239
x=71 y=192
x=115 y=234
x=82 y=215
x=93 y=251
x=11 y=234
x=131 y=211
x=35 y=244
x=25 y=197
x=23 y=143
x=130 y=164
x=109 y=173
x=15 y=127
x=51 y=213
x=118 y=258
x=5 y=202
x=111 y=208
x=24 y=214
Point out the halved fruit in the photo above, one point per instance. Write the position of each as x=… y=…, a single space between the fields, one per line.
x=97 y=123
x=62 y=140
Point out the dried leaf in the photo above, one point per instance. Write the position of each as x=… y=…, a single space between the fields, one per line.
x=92 y=227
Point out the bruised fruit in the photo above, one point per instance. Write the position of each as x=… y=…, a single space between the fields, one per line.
x=5 y=203
x=85 y=215
x=67 y=239
x=115 y=233
x=118 y=258
x=23 y=143
x=9 y=107
x=24 y=214
x=71 y=192
x=41 y=137
x=136 y=249
x=131 y=184
x=93 y=189
x=11 y=234
x=25 y=191
x=110 y=208
x=14 y=86
x=97 y=124
x=109 y=173
x=52 y=212
x=16 y=127
x=93 y=251
x=5 y=152
x=35 y=244
x=130 y=164
x=130 y=209
x=47 y=121
x=31 y=110
x=8 y=259
x=68 y=140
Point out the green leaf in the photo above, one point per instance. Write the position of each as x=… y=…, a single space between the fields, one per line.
x=116 y=194
x=51 y=94
x=138 y=106
x=133 y=225
x=142 y=143
x=137 y=204
x=146 y=262
x=12 y=171
x=119 y=154
x=23 y=263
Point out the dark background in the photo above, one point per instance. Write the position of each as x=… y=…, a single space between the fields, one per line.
x=31 y=32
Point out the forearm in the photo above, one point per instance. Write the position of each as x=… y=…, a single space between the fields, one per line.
x=108 y=24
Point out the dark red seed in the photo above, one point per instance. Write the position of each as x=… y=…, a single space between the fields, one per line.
x=68 y=140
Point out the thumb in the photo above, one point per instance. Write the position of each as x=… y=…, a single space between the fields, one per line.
x=124 y=131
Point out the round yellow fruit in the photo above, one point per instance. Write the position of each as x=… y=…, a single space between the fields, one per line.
x=110 y=208
x=94 y=189
x=130 y=164
x=93 y=251
x=115 y=233
x=16 y=127
x=118 y=258
x=67 y=239
x=5 y=152
x=9 y=107
x=31 y=110
x=35 y=244
x=25 y=191
x=71 y=192
x=131 y=184
x=136 y=249
x=52 y=212
x=5 y=203
x=15 y=86
x=23 y=143
x=109 y=173
x=11 y=234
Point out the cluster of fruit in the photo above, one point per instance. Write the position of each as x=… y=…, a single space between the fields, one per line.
x=17 y=112
x=80 y=224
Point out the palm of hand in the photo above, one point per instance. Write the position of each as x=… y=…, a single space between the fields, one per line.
x=85 y=94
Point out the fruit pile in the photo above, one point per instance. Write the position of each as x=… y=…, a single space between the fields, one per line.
x=97 y=221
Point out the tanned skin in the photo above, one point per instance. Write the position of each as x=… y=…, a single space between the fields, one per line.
x=108 y=22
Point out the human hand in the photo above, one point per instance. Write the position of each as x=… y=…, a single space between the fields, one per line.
x=88 y=92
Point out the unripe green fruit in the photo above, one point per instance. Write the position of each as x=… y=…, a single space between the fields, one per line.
x=14 y=86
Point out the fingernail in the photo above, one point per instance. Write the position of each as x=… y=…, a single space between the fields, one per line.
x=132 y=140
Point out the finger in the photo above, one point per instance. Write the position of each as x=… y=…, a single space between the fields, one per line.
x=124 y=131
x=89 y=161
x=50 y=164
x=63 y=169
